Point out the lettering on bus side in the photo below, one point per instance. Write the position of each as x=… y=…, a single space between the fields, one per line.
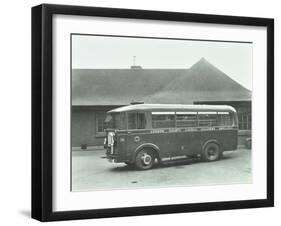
x=208 y=129
x=178 y=130
x=157 y=131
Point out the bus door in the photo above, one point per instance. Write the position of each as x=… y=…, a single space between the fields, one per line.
x=188 y=135
x=163 y=135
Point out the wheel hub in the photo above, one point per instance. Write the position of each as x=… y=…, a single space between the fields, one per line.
x=146 y=159
x=212 y=154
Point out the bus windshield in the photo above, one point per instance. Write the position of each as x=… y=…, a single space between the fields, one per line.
x=115 y=121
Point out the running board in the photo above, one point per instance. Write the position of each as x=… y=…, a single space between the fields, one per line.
x=179 y=158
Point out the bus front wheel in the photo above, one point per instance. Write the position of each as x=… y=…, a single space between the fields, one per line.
x=144 y=159
x=211 y=152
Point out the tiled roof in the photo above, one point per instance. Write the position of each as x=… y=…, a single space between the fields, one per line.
x=202 y=82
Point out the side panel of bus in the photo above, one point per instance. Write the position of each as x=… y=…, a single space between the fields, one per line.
x=177 y=144
x=187 y=143
x=173 y=144
x=166 y=142
x=227 y=139
x=145 y=139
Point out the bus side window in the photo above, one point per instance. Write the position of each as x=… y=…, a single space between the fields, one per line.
x=121 y=121
x=141 y=122
x=136 y=121
x=224 y=119
x=207 y=119
x=186 y=120
x=163 y=121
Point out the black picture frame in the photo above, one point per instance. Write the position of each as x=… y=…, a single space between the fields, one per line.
x=42 y=107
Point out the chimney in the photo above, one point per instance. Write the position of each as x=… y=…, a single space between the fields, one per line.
x=134 y=66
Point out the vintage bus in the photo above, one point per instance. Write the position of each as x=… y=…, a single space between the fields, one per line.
x=145 y=134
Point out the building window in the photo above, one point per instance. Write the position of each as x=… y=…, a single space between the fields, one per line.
x=100 y=124
x=245 y=121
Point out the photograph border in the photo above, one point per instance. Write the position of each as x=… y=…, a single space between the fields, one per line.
x=42 y=119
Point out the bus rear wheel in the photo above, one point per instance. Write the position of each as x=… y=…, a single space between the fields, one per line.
x=145 y=159
x=211 y=152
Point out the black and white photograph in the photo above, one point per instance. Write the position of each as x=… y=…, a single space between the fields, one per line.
x=141 y=112
x=159 y=112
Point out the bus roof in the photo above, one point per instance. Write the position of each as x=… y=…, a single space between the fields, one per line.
x=172 y=107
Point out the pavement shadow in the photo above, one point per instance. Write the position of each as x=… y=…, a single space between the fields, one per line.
x=124 y=168
x=25 y=213
x=177 y=164
x=229 y=156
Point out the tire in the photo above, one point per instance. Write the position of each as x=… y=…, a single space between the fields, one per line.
x=211 y=152
x=145 y=159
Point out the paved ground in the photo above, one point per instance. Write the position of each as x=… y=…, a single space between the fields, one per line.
x=90 y=171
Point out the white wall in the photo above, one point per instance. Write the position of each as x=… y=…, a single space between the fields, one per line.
x=15 y=115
